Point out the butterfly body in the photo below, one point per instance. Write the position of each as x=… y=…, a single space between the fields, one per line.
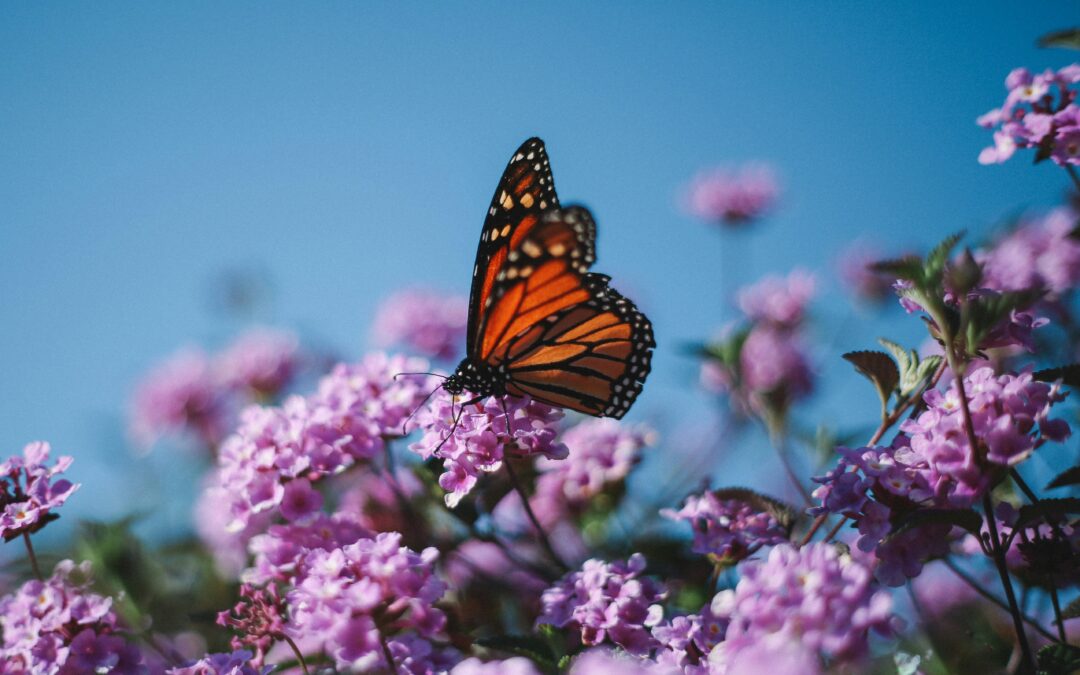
x=540 y=324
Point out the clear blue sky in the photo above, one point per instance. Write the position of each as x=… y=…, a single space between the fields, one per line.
x=348 y=149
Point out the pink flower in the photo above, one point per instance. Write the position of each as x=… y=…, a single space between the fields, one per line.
x=429 y=323
x=181 y=395
x=732 y=196
x=28 y=492
x=777 y=300
x=262 y=361
x=1039 y=112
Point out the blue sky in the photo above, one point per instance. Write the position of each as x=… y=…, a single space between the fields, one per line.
x=348 y=149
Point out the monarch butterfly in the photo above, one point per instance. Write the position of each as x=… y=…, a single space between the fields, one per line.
x=540 y=324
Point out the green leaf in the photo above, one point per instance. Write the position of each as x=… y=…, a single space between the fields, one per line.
x=531 y=646
x=1071 y=611
x=783 y=513
x=965 y=519
x=1065 y=39
x=908 y=268
x=1058 y=659
x=1049 y=509
x=879 y=369
x=1069 y=375
x=939 y=256
x=986 y=313
x=1066 y=477
x=913 y=372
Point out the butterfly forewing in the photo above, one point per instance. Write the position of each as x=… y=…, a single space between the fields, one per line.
x=525 y=191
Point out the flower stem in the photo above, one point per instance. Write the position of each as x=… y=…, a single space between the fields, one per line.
x=1072 y=174
x=977 y=587
x=33 y=558
x=778 y=440
x=542 y=535
x=998 y=553
x=1058 y=619
x=296 y=650
x=387 y=655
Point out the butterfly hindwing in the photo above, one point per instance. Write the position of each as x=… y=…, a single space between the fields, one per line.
x=592 y=357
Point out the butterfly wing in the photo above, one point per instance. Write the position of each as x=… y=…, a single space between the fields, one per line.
x=525 y=191
x=563 y=335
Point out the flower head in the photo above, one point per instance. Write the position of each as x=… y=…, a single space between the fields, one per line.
x=476 y=440
x=729 y=525
x=778 y=301
x=732 y=196
x=29 y=493
x=262 y=361
x=236 y=663
x=429 y=323
x=1039 y=111
x=607 y=601
x=181 y=395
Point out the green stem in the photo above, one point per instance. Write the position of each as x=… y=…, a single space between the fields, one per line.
x=541 y=534
x=977 y=587
x=33 y=558
x=296 y=650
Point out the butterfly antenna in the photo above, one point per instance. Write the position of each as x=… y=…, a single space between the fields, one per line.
x=396 y=376
x=426 y=399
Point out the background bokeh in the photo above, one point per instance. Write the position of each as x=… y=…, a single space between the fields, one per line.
x=330 y=153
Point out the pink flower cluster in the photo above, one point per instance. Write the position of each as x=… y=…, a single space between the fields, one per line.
x=601 y=453
x=819 y=600
x=427 y=323
x=350 y=600
x=1040 y=111
x=278 y=452
x=236 y=663
x=28 y=491
x=687 y=641
x=728 y=529
x=772 y=370
x=732 y=196
x=476 y=440
x=192 y=392
x=1040 y=254
x=607 y=601
x=933 y=465
x=59 y=626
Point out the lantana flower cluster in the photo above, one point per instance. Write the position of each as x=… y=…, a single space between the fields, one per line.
x=475 y=440
x=768 y=370
x=30 y=492
x=932 y=464
x=59 y=626
x=425 y=322
x=607 y=601
x=354 y=599
x=193 y=392
x=815 y=597
x=733 y=196
x=1040 y=254
x=1039 y=111
x=728 y=528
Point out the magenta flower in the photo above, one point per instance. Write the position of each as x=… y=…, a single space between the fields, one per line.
x=729 y=529
x=773 y=364
x=59 y=626
x=428 y=323
x=853 y=265
x=479 y=441
x=517 y=665
x=349 y=599
x=28 y=492
x=778 y=301
x=606 y=661
x=237 y=663
x=814 y=596
x=1040 y=254
x=278 y=551
x=607 y=601
x=181 y=395
x=732 y=196
x=687 y=641
x=1039 y=112
x=258 y=619
x=262 y=361
x=601 y=453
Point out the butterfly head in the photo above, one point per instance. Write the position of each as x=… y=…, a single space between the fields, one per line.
x=478 y=378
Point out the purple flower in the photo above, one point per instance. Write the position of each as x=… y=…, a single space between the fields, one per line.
x=28 y=491
x=601 y=452
x=262 y=361
x=59 y=626
x=687 y=641
x=772 y=364
x=607 y=601
x=605 y=661
x=732 y=196
x=236 y=663
x=348 y=600
x=517 y=665
x=854 y=264
x=180 y=395
x=258 y=619
x=815 y=596
x=777 y=300
x=775 y=654
x=278 y=551
x=728 y=529
x=1040 y=254
x=1039 y=112
x=429 y=323
x=476 y=440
